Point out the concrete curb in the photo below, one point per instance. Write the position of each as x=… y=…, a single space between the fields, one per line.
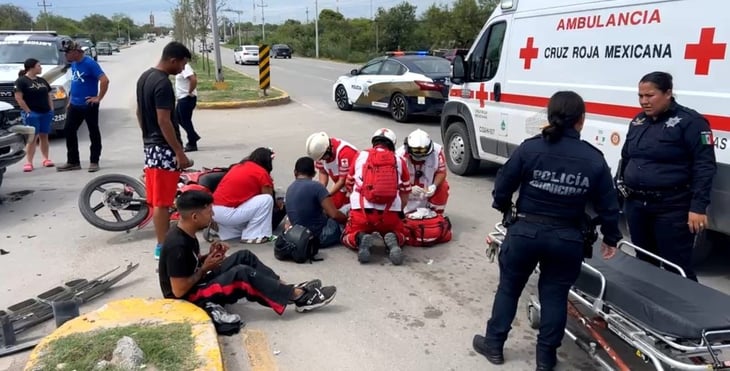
x=267 y=102
x=133 y=311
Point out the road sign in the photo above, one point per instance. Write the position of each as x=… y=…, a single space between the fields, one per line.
x=264 y=68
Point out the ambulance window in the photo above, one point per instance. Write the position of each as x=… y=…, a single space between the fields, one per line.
x=485 y=59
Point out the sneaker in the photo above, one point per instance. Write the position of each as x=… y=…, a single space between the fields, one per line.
x=363 y=248
x=158 y=250
x=309 y=285
x=315 y=298
x=68 y=167
x=93 y=167
x=220 y=315
x=396 y=253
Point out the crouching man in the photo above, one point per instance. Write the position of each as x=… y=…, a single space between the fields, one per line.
x=311 y=206
x=380 y=185
x=213 y=280
x=426 y=163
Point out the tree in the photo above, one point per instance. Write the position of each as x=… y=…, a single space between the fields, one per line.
x=14 y=18
x=398 y=25
x=62 y=25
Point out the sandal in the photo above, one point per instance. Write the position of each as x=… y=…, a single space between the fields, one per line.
x=28 y=167
x=48 y=163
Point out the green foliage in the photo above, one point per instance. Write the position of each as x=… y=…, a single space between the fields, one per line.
x=14 y=18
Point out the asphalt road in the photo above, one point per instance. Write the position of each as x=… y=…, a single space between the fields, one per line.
x=419 y=316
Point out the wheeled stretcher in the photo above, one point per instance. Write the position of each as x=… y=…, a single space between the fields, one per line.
x=669 y=321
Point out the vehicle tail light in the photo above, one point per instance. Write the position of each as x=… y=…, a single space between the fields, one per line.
x=428 y=85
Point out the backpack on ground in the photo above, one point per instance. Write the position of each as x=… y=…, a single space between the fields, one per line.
x=380 y=177
x=428 y=231
x=297 y=244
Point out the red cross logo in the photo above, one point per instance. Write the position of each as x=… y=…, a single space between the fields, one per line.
x=482 y=95
x=529 y=52
x=705 y=51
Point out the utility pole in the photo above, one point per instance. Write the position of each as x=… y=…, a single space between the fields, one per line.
x=316 y=29
x=263 y=20
x=307 y=12
x=239 y=12
x=216 y=44
x=45 y=5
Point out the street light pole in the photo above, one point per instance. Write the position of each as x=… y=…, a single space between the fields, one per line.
x=316 y=29
x=263 y=20
x=239 y=12
x=216 y=43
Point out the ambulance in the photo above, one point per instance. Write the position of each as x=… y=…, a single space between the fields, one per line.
x=529 y=49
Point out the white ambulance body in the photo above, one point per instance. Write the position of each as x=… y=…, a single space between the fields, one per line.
x=529 y=49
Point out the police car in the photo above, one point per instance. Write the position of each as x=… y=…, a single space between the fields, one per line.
x=45 y=46
x=402 y=83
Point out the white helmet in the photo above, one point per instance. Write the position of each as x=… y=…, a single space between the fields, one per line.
x=384 y=133
x=317 y=145
x=419 y=144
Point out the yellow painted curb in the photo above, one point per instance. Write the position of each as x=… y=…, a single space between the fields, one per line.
x=133 y=311
x=267 y=102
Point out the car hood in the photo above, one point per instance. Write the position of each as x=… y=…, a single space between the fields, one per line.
x=9 y=72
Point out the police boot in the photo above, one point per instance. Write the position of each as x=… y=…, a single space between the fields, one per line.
x=494 y=355
x=364 y=243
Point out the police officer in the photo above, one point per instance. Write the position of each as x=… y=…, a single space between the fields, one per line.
x=667 y=168
x=558 y=174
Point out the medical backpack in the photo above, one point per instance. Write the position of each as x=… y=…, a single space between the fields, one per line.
x=427 y=232
x=380 y=177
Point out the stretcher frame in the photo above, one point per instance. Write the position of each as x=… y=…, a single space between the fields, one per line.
x=644 y=341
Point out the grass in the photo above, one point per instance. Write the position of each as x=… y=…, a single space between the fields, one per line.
x=166 y=347
x=239 y=86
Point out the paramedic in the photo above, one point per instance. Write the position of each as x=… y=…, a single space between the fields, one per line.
x=333 y=160
x=557 y=174
x=667 y=168
x=369 y=213
x=426 y=164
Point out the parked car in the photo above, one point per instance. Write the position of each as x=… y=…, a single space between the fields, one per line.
x=104 y=48
x=280 y=50
x=246 y=54
x=450 y=54
x=115 y=47
x=402 y=83
x=46 y=46
x=88 y=47
x=12 y=142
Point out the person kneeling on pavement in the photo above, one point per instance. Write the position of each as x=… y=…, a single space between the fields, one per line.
x=427 y=166
x=213 y=280
x=244 y=202
x=380 y=185
x=310 y=205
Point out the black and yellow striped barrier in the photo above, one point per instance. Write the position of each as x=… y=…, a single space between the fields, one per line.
x=264 y=68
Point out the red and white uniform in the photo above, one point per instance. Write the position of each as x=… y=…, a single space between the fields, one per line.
x=434 y=164
x=344 y=157
x=368 y=217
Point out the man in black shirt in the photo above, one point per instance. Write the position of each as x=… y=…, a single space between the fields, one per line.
x=212 y=280
x=163 y=150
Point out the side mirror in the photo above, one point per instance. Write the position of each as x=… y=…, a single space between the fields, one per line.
x=458 y=70
x=354 y=72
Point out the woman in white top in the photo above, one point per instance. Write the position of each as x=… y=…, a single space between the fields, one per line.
x=187 y=98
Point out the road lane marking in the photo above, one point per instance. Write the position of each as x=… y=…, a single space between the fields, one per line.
x=260 y=356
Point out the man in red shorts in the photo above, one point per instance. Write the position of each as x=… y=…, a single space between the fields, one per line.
x=163 y=150
x=333 y=158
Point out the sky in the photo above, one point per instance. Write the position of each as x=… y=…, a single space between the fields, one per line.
x=275 y=11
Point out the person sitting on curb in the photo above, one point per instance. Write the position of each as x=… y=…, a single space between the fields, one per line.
x=244 y=199
x=427 y=165
x=311 y=206
x=333 y=160
x=380 y=185
x=213 y=280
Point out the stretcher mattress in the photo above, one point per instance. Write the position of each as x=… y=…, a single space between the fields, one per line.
x=656 y=299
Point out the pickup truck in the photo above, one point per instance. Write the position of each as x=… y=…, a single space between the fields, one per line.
x=12 y=139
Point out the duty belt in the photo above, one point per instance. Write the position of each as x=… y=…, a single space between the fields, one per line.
x=549 y=220
x=654 y=194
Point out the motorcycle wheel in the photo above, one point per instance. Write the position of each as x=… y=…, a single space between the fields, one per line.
x=115 y=199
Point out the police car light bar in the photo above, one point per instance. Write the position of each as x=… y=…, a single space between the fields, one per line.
x=402 y=53
x=11 y=32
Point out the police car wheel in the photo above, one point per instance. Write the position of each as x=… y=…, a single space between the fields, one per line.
x=399 y=107
x=458 y=151
x=341 y=99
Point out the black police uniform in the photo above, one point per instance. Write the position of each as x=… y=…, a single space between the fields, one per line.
x=667 y=167
x=556 y=182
